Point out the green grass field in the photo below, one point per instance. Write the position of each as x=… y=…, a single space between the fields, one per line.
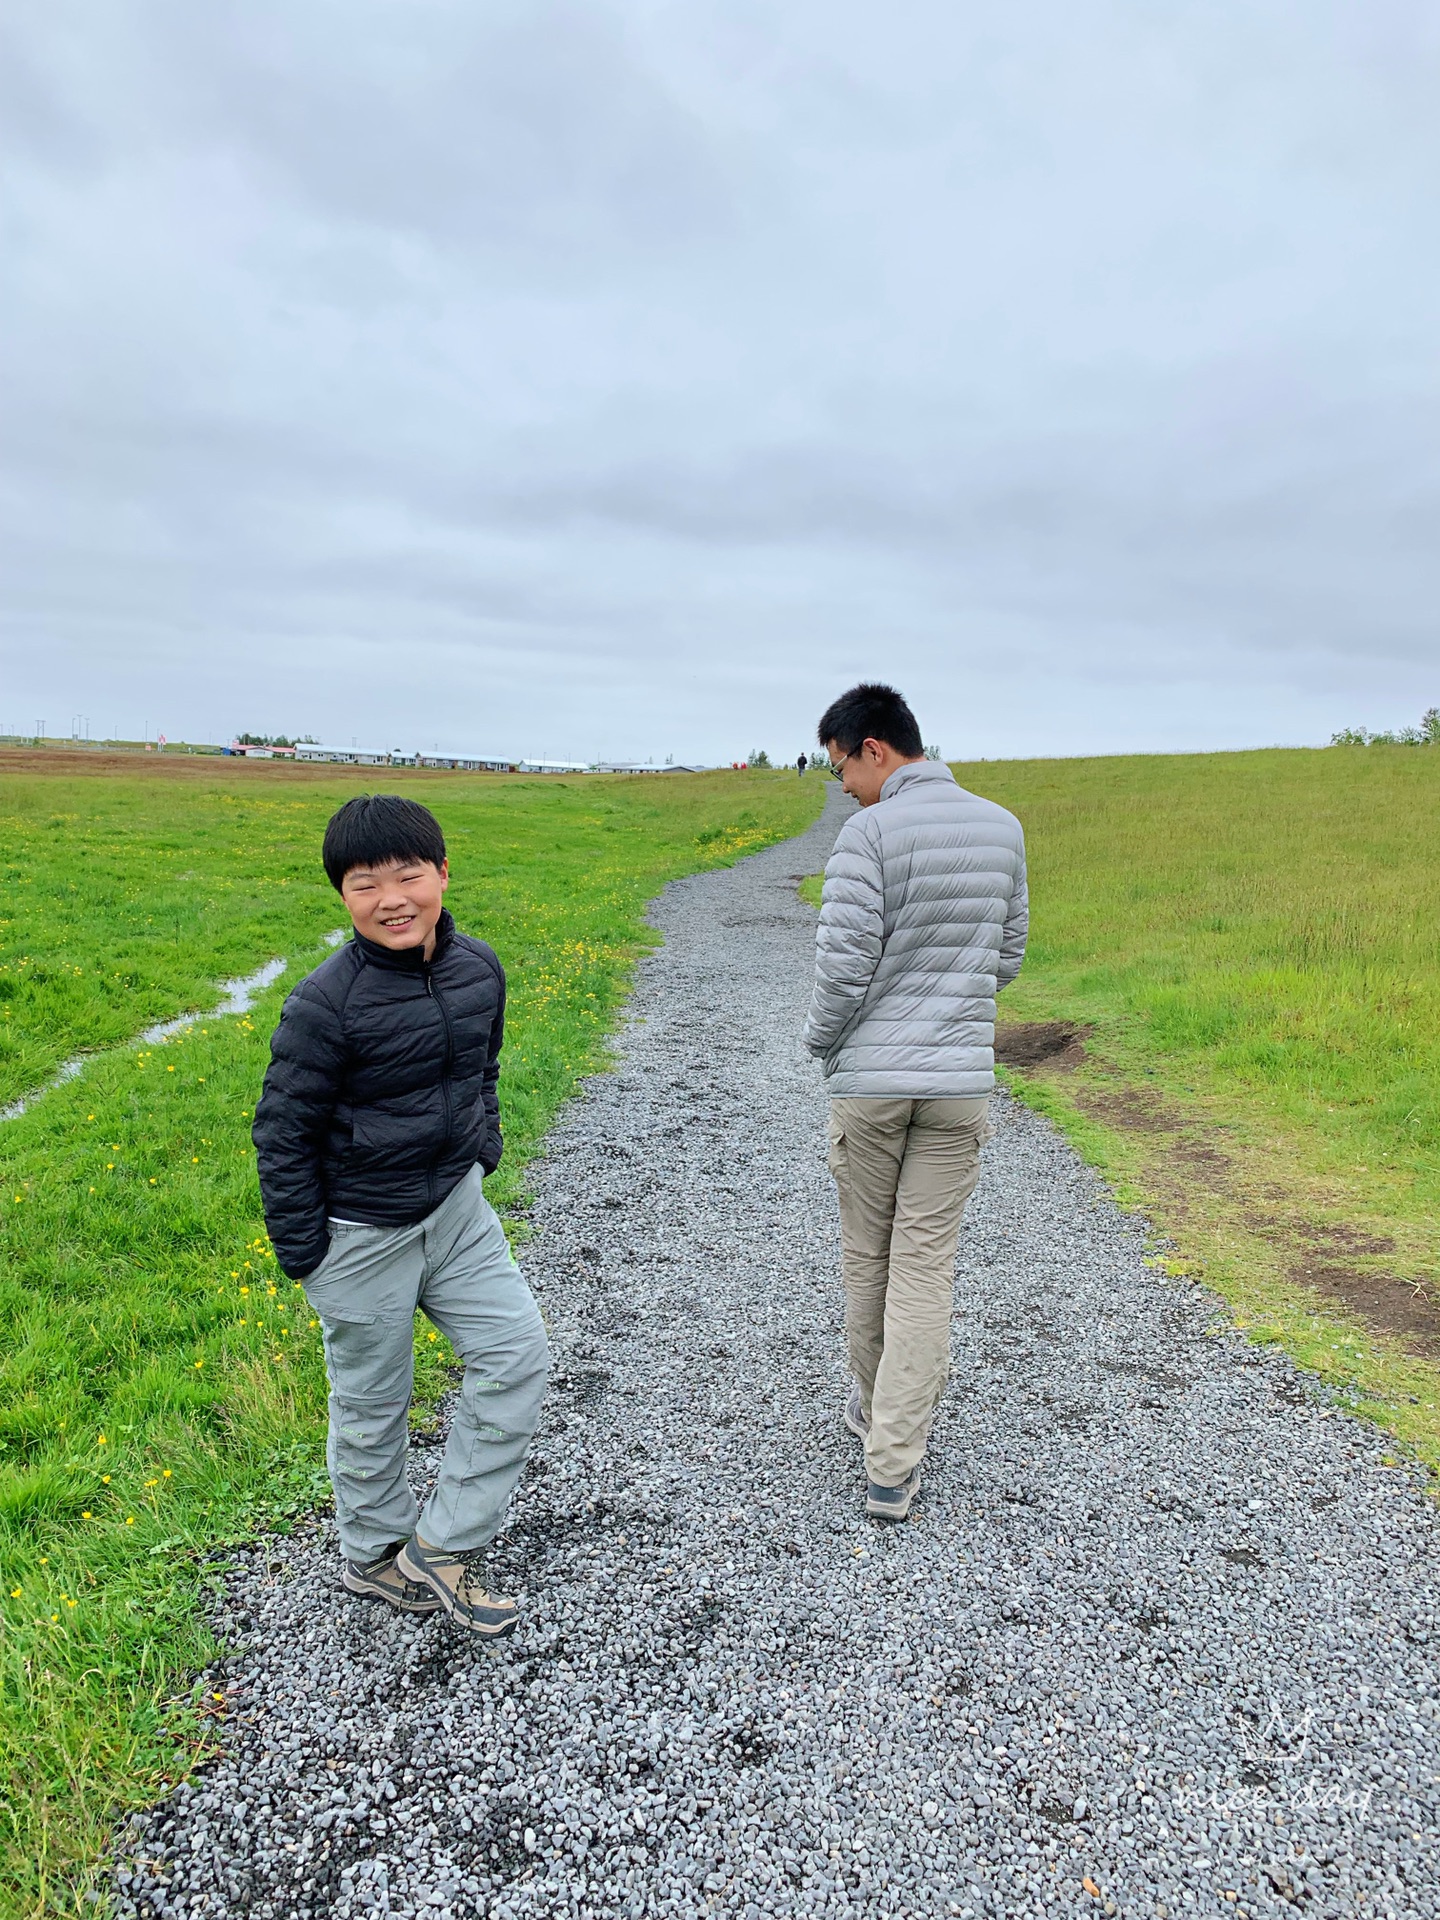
x=161 y=1384
x=1250 y=943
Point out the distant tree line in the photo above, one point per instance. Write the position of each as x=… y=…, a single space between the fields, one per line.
x=274 y=740
x=1427 y=734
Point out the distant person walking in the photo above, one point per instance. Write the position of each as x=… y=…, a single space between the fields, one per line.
x=924 y=920
x=800 y=765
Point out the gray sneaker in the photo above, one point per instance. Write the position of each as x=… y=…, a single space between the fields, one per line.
x=382 y=1580
x=855 y=1415
x=892 y=1503
x=456 y=1591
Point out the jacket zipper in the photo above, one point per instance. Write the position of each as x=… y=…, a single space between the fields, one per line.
x=439 y=1000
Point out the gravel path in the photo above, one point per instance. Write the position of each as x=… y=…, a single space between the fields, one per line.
x=1160 y=1639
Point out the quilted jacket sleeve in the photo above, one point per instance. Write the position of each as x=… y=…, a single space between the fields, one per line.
x=849 y=939
x=1017 y=927
x=302 y=1085
x=490 y=1091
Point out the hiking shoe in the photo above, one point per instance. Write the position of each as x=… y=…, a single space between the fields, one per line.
x=382 y=1580
x=456 y=1592
x=855 y=1415
x=892 y=1503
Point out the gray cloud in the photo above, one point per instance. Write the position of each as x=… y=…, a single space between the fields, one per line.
x=619 y=378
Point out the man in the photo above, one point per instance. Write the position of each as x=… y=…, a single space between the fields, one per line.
x=800 y=764
x=924 y=920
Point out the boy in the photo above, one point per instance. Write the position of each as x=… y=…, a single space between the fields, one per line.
x=379 y=1116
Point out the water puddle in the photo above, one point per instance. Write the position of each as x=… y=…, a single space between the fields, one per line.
x=69 y=1071
x=240 y=996
x=239 y=999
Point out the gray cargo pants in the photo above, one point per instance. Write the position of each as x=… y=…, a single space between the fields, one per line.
x=456 y=1266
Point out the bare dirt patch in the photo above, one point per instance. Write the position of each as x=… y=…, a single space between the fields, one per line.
x=1141 y=1110
x=1388 y=1302
x=1040 y=1043
x=1330 y=1259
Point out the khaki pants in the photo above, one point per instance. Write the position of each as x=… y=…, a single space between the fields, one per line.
x=904 y=1170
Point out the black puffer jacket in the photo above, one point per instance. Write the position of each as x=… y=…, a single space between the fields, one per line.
x=380 y=1095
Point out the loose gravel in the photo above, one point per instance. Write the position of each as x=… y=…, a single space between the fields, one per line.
x=1160 y=1639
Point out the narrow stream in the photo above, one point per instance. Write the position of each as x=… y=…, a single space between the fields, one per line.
x=240 y=996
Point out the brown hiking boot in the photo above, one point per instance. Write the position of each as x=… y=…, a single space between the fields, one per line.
x=382 y=1580
x=456 y=1591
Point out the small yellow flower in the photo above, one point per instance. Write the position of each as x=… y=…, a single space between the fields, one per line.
x=169 y=1069
x=194 y=1159
x=104 y=1479
x=153 y=1181
x=198 y=1365
x=87 y=1515
x=166 y=1474
x=102 y=1440
x=15 y=1592
x=130 y=1521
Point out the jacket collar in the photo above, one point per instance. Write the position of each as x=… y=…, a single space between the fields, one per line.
x=407 y=959
x=916 y=773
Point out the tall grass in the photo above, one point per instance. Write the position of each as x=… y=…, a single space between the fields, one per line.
x=1258 y=927
x=161 y=1384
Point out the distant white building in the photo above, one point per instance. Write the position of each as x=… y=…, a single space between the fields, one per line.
x=353 y=756
x=552 y=766
x=467 y=762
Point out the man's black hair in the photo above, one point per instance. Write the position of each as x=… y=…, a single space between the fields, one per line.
x=375 y=829
x=871 y=712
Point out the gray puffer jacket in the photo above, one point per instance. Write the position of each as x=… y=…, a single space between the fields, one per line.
x=924 y=920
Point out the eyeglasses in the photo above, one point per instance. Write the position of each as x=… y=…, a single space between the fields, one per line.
x=832 y=767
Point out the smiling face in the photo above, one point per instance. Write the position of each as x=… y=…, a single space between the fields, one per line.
x=397 y=904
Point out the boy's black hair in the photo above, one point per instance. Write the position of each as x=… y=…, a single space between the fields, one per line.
x=871 y=712
x=374 y=829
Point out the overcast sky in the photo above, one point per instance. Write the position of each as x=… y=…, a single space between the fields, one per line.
x=628 y=378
